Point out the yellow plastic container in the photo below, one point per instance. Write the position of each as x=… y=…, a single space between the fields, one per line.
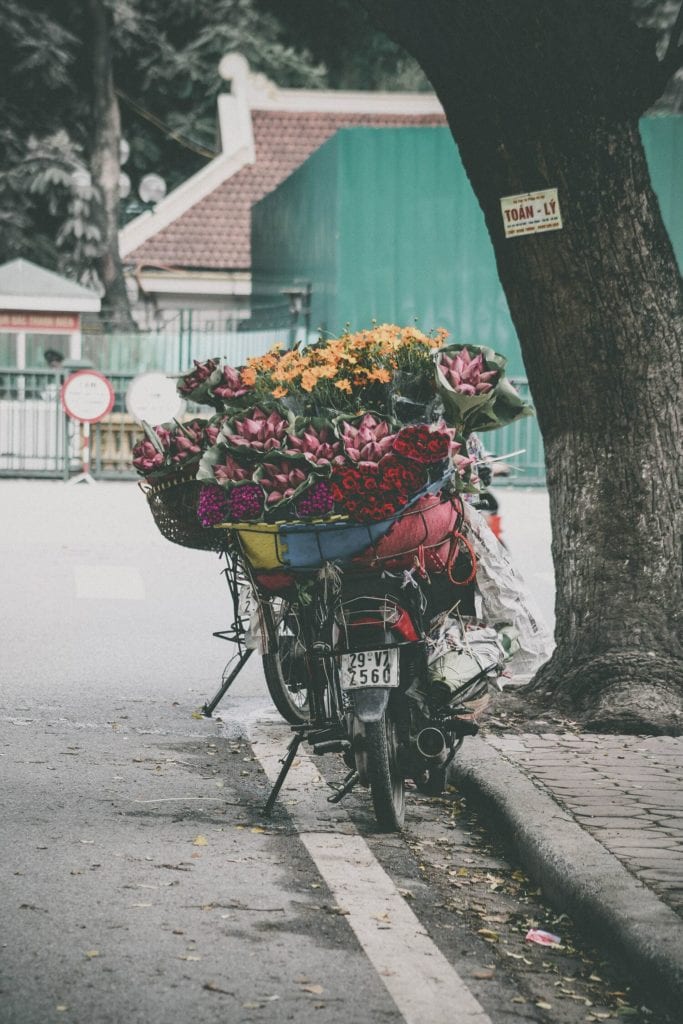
x=261 y=543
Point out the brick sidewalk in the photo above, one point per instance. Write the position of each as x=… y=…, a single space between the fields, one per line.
x=597 y=822
x=626 y=791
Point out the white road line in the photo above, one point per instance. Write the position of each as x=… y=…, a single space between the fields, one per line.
x=422 y=983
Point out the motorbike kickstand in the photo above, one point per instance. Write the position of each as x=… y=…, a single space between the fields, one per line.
x=346 y=787
x=210 y=706
x=286 y=765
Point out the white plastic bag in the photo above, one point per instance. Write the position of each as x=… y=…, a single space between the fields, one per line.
x=251 y=620
x=506 y=599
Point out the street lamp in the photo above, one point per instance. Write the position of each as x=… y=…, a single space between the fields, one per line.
x=151 y=190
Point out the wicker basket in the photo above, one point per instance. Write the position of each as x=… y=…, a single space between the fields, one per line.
x=173 y=503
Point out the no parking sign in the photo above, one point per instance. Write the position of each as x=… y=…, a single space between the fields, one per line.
x=87 y=396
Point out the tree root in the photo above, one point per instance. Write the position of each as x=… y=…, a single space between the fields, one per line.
x=633 y=692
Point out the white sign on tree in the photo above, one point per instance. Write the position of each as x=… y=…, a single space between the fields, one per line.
x=531 y=212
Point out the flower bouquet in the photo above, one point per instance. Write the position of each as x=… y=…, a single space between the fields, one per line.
x=212 y=382
x=311 y=451
x=167 y=448
x=475 y=392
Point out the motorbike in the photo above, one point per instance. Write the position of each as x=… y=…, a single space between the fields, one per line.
x=349 y=657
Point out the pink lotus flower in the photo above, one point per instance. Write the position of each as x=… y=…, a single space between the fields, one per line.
x=146 y=458
x=186 y=440
x=319 y=445
x=467 y=374
x=146 y=455
x=280 y=479
x=211 y=432
x=230 y=471
x=194 y=378
x=230 y=385
x=369 y=440
x=257 y=431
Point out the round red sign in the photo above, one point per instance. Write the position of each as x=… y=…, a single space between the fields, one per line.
x=87 y=396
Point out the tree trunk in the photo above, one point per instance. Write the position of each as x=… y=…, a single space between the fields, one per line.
x=105 y=166
x=540 y=96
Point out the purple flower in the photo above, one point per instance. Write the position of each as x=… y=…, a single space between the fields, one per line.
x=317 y=500
x=212 y=506
x=245 y=502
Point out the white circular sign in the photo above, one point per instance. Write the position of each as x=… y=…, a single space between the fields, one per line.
x=87 y=396
x=153 y=397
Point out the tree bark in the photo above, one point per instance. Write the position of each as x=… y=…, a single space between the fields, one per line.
x=105 y=167
x=543 y=95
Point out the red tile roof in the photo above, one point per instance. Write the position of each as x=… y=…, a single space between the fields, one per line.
x=215 y=233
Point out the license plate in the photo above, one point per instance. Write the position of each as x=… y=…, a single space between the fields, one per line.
x=369 y=668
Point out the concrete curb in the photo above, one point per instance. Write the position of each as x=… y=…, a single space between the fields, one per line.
x=576 y=873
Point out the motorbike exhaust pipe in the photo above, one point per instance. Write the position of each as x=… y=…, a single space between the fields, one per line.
x=431 y=745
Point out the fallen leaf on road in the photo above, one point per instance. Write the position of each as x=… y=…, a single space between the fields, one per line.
x=200 y=841
x=384 y=918
x=141 y=905
x=542 y=1005
x=91 y=953
x=489 y=935
x=483 y=975
x=210 y=986
x=189 y=956
x=198 y=715
x=258 y=829
x=315 y=990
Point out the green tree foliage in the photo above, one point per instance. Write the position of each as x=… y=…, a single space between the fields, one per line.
x=165 y=57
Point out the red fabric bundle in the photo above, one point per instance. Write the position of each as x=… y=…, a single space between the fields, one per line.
x=424 y=532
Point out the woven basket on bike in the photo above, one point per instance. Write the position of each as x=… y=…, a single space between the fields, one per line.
x=173 y=503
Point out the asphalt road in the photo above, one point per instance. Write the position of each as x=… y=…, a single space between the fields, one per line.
x=140 y=882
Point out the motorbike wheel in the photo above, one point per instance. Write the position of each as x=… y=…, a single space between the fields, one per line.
x=288 y=693
x=384 y=774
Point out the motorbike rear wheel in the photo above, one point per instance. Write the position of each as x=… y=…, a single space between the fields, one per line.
x=288 y=692
x=384 y=774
